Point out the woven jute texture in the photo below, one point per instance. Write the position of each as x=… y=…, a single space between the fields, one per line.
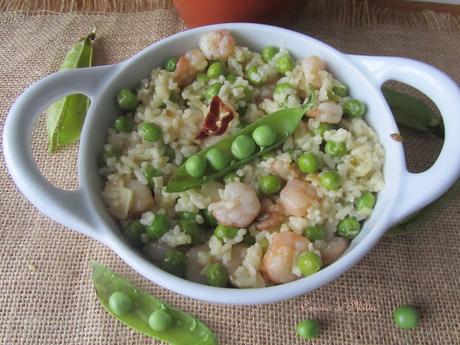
x=46 y=295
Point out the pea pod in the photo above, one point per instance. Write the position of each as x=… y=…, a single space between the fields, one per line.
x=65 y=117
x=312 y=100
x=412 y=113
x=185 y=328
x=284 y=122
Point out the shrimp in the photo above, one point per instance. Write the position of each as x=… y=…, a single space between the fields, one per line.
x=189 y=65
x=142 y=200
x=239 y=205
x=297 y=197
x=327 y=112
x=285 y=170
x=196 y=59
x=272 y=215
x=335 y=247
x=312 y=66
x=217 y=45
x=280 y=257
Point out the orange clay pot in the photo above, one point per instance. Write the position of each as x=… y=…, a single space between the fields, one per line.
x=203 y=12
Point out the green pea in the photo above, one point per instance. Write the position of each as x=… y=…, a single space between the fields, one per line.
x=365 y=201
x=314 y=233
x=230 y=177
x=209 y=218
x=203 y=77
x=309 y=263
x=187 y=215
x=170 y=153
x=149 y=173
x=255 y=76
x=264 y=243
x=354 y=108
x=348 y=227
x=150 y=131
x=174 y=262
x=284 y=63
x=340 y=90
x=191 y=228
x=231 y=78
x=241 y=112
x=269 y=52
x=406 y=317
x=308 y=329
x=335 y=149
x=170 y=64
x=123 y=124
x=217 y=159
x=174 y=97
x=248 y=239
x=264 y=135
x=269 y=184
x=222 y=231
x=160 y=320
x=243 y=146
x=215 y=70
x=308 y=163
x=105 y=155
x=330 y=180
x=282 y=87
x=323 y=127
x=247 y=94
x=126 y=100
x=133 y=233
x=217 y=275
x=120 y=303
x=212 y=90
x=195 y=166
x=159 y=226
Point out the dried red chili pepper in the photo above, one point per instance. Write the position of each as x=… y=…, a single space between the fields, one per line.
x=214 y=123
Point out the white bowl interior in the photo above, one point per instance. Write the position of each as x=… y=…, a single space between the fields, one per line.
x=130 y=73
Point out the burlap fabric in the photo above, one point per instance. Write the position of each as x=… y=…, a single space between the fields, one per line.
x=45 y=290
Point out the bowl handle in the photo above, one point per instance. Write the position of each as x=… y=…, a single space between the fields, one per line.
x=419 y=189
x=66 y=207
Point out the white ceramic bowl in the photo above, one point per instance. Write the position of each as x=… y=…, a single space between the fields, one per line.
x=84 y=210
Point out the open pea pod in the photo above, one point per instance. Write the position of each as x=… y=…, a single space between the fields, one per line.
x=66 y=116
x=185 y=329
x=283 y=122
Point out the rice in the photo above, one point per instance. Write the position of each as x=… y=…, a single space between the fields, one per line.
x=179 y=110
x=175 y=237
